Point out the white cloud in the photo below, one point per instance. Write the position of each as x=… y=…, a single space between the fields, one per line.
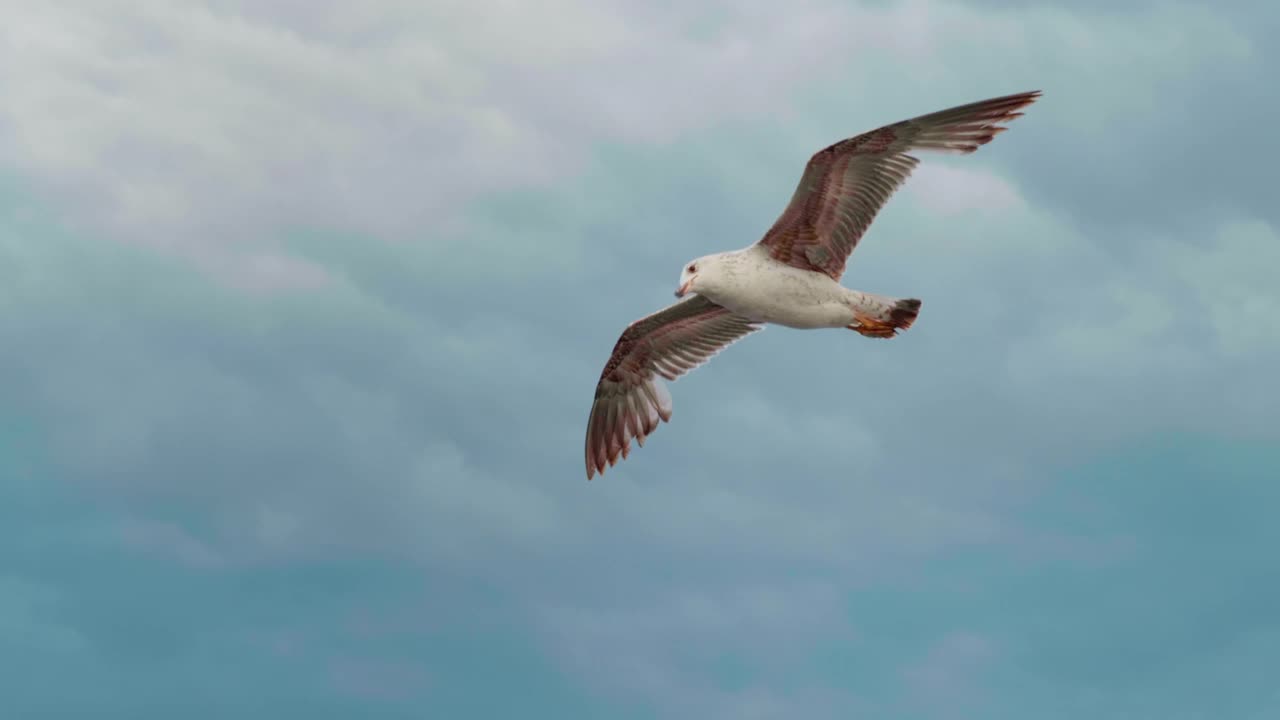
x=948 y=189
x=1233 y=277
x=335 y=75
x=212 y=128
x=202 y=127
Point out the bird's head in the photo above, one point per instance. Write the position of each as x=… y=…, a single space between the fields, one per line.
x=697 y=274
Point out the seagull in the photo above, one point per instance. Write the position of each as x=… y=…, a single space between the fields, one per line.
x=791 y=277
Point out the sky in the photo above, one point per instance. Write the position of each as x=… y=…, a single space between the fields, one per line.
x=302 y=305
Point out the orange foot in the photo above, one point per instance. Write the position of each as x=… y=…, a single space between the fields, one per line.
x=900 y=317
x=873 y=328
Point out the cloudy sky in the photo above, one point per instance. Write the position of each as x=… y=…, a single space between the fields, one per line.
x=302 y=304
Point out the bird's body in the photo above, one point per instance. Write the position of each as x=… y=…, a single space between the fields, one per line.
x=750 y=283
x=791 y=277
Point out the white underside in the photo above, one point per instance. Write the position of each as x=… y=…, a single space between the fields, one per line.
x=762 y=289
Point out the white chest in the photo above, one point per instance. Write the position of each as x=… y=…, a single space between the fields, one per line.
x=762 y=289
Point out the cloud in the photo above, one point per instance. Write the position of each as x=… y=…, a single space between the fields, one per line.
x=944 y=679
x=210 y=129
x=161 y=123
x=1231 y=281
x=686 y=645
x=379 y=679
x=169 y=539
x=371 y=483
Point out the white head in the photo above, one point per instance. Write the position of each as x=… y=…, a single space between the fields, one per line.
x=698 y=274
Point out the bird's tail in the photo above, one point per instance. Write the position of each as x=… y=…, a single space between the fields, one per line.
x=883 y=317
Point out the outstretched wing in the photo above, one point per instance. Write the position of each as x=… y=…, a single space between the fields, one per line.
x=846 y=184
x=631 y=397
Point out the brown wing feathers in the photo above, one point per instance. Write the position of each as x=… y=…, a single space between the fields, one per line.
x=965 y=128
x=630 y=399
x=845 y=184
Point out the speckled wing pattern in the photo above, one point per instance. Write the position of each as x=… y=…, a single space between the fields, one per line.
x=631 y=397
x=845 y=185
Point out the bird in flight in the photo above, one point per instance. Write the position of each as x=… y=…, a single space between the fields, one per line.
x=791 y=277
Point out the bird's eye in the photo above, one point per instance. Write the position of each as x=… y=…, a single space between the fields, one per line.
x=693 y=268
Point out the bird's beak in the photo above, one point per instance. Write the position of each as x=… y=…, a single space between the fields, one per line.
x=683 y=289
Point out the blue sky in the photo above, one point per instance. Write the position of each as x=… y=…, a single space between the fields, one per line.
x=302 y=306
